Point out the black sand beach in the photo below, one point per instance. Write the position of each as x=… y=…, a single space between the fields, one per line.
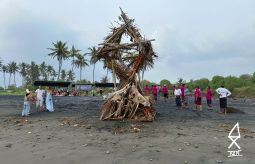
x=74 y=134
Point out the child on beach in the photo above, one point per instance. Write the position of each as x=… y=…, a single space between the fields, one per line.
x=209 y=96
x=26 y=106
x=198 y=99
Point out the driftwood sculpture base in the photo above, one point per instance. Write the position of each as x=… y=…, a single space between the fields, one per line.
x=127 y=103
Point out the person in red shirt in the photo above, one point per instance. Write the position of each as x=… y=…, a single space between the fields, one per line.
x=154 y=92
x=209 y=96
x=165 y=92
x=146 y=90
x=198 y=99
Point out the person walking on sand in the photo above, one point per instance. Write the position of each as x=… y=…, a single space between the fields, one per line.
x=177 y=94
x=223 y=94
x=165 y=92
x=49 y=100
x=209 y=96
x=154 y=92
x=198 y=99
x=26 y=106
x=39 y=98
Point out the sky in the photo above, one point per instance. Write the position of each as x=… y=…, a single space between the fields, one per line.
x=194 y=39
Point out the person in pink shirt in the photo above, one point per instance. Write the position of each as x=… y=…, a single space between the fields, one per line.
x=182 y=95
x=209 y=96
x=154 y=92
x=165 y=92
x=146 y=90
x=198 y=99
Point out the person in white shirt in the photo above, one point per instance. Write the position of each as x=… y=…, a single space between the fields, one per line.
x=39 y=98
x=177 y=94
x=223 y=94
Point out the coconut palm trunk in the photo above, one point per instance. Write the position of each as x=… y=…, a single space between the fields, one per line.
x=80 y=72
x=4 y=82
x=93 y=79
x=14 y=79
x=59 y=68
x=10 y=79
x=73 y=64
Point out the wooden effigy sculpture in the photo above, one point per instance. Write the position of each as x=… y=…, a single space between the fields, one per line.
x=126 y=60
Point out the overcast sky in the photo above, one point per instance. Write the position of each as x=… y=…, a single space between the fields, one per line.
x=194 y=39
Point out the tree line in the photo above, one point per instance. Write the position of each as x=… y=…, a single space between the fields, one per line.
x=31 y=72
x=244 y=81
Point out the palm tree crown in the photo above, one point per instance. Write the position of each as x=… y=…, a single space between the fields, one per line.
x=74 y=53
x=59 y=51
x=81 y=62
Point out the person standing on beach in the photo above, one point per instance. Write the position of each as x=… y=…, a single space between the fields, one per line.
x=209 y=96
x=177 y=94
x=26 y=106
x=185 y=102
x=223 y=94
x=165 y=92
x=39 y=98
x=154 y=92
x=183 y=95
x=49 y=100
x=198 y=99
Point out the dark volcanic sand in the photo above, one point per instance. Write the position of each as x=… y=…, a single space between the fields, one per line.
x=74 y=134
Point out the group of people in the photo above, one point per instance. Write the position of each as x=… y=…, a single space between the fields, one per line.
x=182 y=95
x=43 y=101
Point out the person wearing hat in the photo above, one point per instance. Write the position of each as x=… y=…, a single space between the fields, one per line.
x=26 y=106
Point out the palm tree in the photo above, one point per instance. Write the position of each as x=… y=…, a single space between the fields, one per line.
x=43 y=69
x=70 y=75
x=63 y=75
x=60 y=51
x=10 y=72
x=93 y=59
x=49 y=71
x=1 y=63
x=4 y=70
x=81 y=62
x=74 y=53
x=23 y=72
x=14 y=68
x=54 y=74
x=104 y=79
x=34 y=72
